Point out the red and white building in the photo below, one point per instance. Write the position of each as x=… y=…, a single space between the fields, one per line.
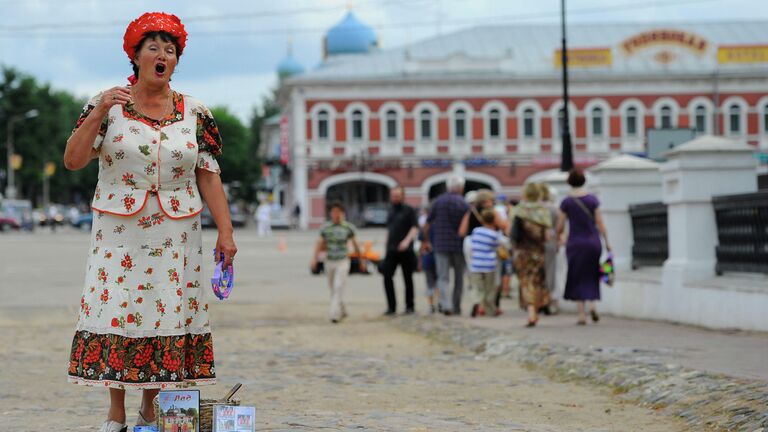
x=486 y=103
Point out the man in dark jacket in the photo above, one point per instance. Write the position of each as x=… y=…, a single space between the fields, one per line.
x=402 y=229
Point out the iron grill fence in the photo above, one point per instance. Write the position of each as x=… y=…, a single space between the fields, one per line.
x=650 y=245
x=742 y=232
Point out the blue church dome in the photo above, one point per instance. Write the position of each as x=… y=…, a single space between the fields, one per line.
x=350 y=36
x=289 y=66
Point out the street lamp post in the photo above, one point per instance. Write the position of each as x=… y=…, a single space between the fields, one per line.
x=566 y=161
x=10 y=188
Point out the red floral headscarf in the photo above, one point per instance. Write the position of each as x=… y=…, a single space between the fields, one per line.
x=149 y=22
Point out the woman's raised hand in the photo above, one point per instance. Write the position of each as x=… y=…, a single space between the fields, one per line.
x=114 y=96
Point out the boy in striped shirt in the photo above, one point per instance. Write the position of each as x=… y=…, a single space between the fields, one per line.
x=483 y=262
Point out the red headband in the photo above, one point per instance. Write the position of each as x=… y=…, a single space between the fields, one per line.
x=151 y=22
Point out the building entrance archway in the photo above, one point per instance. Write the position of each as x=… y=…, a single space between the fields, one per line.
x=365 y=202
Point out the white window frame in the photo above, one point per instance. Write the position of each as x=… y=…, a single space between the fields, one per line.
x=469 y=115
x=762 y=111
x=435 y=111
x=494 y=145
x=674 y=111
x=600 y=143
x=725 y=109
x=528 y=144
x=633 y=143
x=366 y=117
x=392 y=147
x=314 y=114
x=709 y=110
x=554 y=114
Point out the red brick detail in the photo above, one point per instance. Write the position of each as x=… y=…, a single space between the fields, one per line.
x=408 y=150
x=309 y=129
x=442 y=129
x=373 y=150
x=442 y=149
x=650 y=121
x=581 y=127
x=581 y=147
x=682 y=121
x=511 y=148
x=615 y=126
x=477 y=128
x=477 y=149
x=318 y=207
x=615 y=146
x=341 y=130
x=546 y=148
x=753 y=124
x=546 y=127
x=338 y=151
x=375 y=129
x=408 y=129
x=512 y=128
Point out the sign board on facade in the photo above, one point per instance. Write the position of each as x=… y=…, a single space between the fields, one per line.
x=661 y=141
x=741 y=54
x=585 y=57
x=688 y=40
x=284 y=144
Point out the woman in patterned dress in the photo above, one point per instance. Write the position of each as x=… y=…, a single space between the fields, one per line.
x=534 y=222
x=143 y=321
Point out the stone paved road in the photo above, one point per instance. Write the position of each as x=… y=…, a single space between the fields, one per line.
x=300 y=371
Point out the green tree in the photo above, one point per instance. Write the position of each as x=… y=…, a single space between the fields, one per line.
x=239 y=167
x=42 y=139
x=260 y=114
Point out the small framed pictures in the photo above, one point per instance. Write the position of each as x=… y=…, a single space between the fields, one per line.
x=227 y=418
x=179 y=410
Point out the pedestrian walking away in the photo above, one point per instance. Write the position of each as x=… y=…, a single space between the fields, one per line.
x=444 y=219
x=483 y=267
x=551 y=268
x=402 y=229
x=529 y=232
x=335 y=236
x=582 y=247
x=144 y=290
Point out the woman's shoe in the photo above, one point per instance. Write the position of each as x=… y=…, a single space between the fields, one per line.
x=141 y=421
x=581 y=322
x=531 y=324
x=113 y=426
x=594 y=315
x=475 y=310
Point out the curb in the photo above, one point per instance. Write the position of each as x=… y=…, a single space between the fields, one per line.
x=706 y=401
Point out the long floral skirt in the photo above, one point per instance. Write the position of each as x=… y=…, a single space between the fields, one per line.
x=529 y=265
x=143 y=319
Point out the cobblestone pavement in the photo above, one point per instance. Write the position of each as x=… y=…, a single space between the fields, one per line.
x=301 y=372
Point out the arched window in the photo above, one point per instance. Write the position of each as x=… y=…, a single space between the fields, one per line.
x=391 y=125
x=460 y=124
x=666 y=117
x=765 y=119
x=357 y=125
x=631 y=121
x=322 y=125
x=494 y=124
x=597 y=122
x=425 y=118
x=734 y=117
x=529 y=131
x=700 y=119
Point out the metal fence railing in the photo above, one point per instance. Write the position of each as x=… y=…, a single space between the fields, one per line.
x=742 y=232
x=650 y=246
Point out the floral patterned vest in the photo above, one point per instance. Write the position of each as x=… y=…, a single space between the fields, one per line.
x=141 y=158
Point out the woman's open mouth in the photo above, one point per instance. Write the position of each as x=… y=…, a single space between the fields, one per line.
x=159 y=69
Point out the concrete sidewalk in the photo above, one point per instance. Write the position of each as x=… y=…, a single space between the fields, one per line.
x=734 y=353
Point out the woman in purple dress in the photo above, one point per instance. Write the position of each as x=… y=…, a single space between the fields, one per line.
x=583 y=248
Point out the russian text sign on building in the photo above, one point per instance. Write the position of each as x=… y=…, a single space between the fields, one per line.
x=585 y=57
x=687 y=40
x=728 y=54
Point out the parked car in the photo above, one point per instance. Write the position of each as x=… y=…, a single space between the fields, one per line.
x=239 y=217
x=21 y=211
x=7 y=222
x=375 y=214
x=84 y=221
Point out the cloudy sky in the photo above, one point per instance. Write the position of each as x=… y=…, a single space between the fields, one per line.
x=235 y=45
